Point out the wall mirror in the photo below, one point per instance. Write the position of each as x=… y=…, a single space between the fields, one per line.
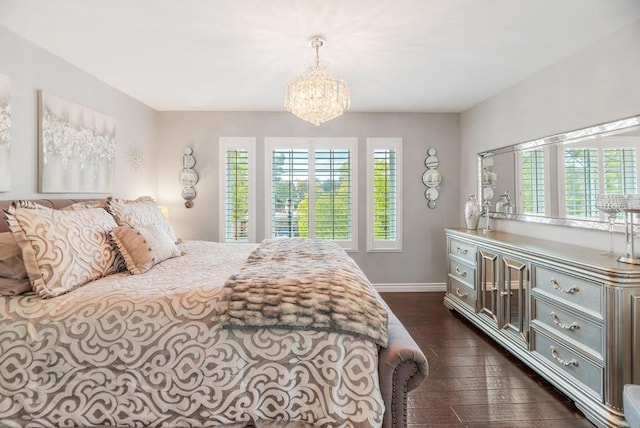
x=557 y=179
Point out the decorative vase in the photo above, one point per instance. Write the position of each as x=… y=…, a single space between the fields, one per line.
x=472 y=212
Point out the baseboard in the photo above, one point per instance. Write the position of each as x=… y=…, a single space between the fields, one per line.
x=410 y=287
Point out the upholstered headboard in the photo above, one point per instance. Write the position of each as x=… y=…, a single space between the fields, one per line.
x=51 y=203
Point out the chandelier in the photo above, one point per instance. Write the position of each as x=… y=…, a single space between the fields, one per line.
x=317 y=96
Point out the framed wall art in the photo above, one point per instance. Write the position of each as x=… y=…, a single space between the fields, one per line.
x=5 y=134
x=77 y=147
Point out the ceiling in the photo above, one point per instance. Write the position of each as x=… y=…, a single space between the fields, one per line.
x=397 y=55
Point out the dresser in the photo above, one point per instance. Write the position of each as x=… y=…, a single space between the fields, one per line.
x=570 y=313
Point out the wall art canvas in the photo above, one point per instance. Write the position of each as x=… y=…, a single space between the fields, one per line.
x=5 y=134
x=77 y=147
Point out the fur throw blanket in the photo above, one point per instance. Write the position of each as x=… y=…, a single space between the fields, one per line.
x=303 y=284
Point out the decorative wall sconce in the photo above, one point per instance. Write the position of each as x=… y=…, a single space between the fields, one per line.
x=188 y=177
x=431 y=178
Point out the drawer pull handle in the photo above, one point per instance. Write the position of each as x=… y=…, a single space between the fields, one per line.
x=461 y=272
x=460 y=294
x=506 y=293
x=556 y=285
x=461 y=251
x=556 y=321
x=554 y=354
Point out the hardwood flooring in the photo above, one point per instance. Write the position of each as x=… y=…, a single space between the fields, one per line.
x=472 y=381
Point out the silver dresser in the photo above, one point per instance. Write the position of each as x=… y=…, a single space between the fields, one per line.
x=570 y=313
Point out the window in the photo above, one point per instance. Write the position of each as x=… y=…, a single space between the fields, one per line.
x=594 y=168
x=384 y=198
x=237 y=191
x=327 y=209
x=532 y=183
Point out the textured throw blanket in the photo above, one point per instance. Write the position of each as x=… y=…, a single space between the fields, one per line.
x=303 y=284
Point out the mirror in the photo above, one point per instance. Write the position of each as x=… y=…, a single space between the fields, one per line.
x=557 y=179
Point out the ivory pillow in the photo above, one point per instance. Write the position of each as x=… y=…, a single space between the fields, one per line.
x=62 y=250
x=143 y=247
x=139 y=212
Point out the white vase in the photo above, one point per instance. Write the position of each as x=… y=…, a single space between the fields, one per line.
x=472 y=212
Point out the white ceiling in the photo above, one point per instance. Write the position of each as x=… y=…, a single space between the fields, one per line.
x=237 y=55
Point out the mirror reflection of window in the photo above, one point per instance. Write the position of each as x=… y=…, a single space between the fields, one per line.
x=620 y=170
x=532 y=186
x=589 y=168
x=581 y=184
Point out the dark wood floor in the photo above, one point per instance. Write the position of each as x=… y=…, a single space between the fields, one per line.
x=472 y=381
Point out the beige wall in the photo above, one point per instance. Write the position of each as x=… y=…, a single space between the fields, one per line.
x=31 y=68
x=423 y=260
x=595 y=85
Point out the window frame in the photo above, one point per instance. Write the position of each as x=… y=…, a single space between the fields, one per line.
x=312 y=144
x=383 y=143
x=238 y=143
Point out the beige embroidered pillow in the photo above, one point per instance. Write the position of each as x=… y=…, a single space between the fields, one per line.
x=62 y=250
x=11 y=263
x=144 y=246
x=140 y=212
x=13 y=287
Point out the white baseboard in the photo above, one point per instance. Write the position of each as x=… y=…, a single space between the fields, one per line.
x=410 y=287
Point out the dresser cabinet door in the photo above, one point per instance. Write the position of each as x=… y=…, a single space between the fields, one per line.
x=488 y=283
x=514 y=297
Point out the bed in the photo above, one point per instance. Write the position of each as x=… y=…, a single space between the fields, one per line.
x=153 y=349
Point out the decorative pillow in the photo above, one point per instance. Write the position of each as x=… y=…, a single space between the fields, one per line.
x=13 y=287
x=119 y=264
x=11 y=263
x=86 y=205
x=62 y=250
x=144 y=246
x=140 y=212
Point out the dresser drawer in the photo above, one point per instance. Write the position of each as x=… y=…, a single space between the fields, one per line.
x=569 y=362
x=462 y=250
x=587 y=334
x=573 y=290
x=462 y=273
x=462 y=292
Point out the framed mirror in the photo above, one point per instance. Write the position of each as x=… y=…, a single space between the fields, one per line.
x=557 y=179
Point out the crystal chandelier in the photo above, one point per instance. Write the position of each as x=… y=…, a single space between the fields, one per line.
x=317 y=96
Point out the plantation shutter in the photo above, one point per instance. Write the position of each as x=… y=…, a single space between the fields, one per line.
x=237 y=196
x=384 y=195
x=237 y=189
x=333 y=194
x=290 y=193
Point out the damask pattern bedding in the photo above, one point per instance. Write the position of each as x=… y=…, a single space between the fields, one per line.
x=149 y=350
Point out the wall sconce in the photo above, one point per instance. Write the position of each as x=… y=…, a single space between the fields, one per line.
x=431 y=178
x=188 y=177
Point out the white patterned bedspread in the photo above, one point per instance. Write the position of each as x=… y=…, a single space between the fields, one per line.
x=148 y=350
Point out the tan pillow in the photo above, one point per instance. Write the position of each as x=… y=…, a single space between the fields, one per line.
x=140 y=212
x=61 y=249
x=11 y=263
x=13 y=287
x=143 y=247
